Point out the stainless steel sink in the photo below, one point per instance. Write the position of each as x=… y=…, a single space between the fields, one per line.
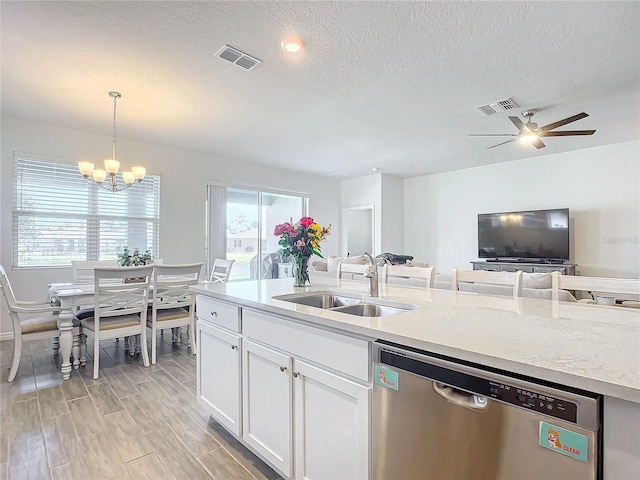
x=370 y=310
x=324 y=300
x=360 y=306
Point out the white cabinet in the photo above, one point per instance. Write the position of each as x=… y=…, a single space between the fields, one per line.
x=331 y=425
x=268 y=404
x=219 y=375
x=295 y=394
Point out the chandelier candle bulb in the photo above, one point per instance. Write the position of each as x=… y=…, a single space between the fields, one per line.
x=139 y=173
x=111 y=166
x=86 y=168
x=99 y=176
x=128 y=177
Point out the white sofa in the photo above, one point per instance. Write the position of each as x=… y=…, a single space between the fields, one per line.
x=534 y=285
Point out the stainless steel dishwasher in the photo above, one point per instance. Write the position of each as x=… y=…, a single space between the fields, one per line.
x=434 y=418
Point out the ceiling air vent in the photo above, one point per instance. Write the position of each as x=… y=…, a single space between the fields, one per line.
x=241 y=59
x=499 y=106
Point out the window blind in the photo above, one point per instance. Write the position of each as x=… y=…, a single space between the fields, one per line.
x=58 y=216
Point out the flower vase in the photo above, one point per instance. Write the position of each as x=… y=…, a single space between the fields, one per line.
x=300 y=273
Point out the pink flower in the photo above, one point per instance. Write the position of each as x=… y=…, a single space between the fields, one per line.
x=300 y=243
x=305 y=222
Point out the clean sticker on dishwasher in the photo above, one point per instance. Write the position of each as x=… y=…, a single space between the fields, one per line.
x=561 y=440
x=386 y=378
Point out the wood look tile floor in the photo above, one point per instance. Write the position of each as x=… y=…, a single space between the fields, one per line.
x=131 y=423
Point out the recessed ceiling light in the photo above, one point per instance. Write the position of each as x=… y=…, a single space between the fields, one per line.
x=292 y=45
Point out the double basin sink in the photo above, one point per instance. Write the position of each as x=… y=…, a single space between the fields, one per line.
x=352 y=305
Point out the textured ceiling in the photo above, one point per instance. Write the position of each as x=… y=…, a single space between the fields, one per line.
x=393 y=85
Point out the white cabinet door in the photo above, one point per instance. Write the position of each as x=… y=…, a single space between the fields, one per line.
x=268 y=404
x=332 y=425
x=219 y=375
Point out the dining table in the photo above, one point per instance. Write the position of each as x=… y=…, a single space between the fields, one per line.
x=66 y=297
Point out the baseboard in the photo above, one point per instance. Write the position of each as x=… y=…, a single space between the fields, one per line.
x=6 y=336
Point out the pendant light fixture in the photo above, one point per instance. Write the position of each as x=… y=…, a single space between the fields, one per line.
x=112 y=165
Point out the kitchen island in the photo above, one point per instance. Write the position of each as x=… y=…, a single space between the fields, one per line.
x=592 y=348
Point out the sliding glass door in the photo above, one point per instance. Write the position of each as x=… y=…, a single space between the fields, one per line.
x=248 y=218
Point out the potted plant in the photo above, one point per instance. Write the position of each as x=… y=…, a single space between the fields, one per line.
x=135 y=259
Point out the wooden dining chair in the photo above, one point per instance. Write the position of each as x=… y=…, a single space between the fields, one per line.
x=33 y=328
x=594 y=285
x=83 y=270
x=172 y=303
x=512 y=279
x=401 y=272
x=221 y=270
x=120 y=309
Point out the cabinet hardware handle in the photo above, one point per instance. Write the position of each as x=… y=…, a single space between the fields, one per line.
x=295 y=374
x=214 y=314
x=282 y=369
x=234 y=347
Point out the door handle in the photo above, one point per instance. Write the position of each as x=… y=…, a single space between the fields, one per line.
x=282 y=369
x=460 y=398
x=234 y=347
x=214 y=314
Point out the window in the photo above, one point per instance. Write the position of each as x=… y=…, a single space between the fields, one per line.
x=58 y=216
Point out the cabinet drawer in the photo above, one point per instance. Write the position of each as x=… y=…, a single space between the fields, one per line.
x=515 y=268
x=336 y=351
x=218 y=313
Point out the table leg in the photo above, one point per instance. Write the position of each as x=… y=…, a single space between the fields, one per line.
x=65 y=325
x=75 y=351
x=83 y=350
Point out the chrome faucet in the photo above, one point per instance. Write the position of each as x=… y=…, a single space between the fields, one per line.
x=372 y=274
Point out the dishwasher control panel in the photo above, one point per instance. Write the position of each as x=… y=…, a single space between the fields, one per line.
x=535 y=401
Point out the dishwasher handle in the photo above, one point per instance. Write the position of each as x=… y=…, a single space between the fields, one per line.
x=460 y=398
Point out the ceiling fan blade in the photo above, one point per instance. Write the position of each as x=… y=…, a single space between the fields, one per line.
x=567 y=133
x=493 y=134
x=538 y=144
x=559 y=123
x=518 y=123
x=508 y=141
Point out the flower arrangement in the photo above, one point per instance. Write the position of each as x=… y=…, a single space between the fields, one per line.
x=135 y=259
x=300 y=241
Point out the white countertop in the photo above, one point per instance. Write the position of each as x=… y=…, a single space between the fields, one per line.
x=592 y=347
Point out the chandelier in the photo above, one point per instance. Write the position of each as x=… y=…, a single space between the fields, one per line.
x=111 y=165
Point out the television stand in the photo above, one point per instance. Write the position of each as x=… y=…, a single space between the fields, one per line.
x=497 y=265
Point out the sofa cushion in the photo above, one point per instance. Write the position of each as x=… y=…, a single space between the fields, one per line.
x=536 y=280
x=356 y=260
x=319 y=266
x=332 y=263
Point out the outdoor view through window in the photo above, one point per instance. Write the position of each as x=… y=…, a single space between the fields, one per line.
x=251 y=218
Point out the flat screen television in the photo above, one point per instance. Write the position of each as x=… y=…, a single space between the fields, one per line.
x=535 y=235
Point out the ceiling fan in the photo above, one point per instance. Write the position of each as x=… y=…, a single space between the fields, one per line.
x=530 y=132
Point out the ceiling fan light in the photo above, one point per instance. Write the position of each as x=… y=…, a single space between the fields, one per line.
x=529 y=137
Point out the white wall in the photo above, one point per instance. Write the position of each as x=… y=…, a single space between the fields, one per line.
x=600 y=186
x=392 y=215
x=385 y=193
x=184 y=175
